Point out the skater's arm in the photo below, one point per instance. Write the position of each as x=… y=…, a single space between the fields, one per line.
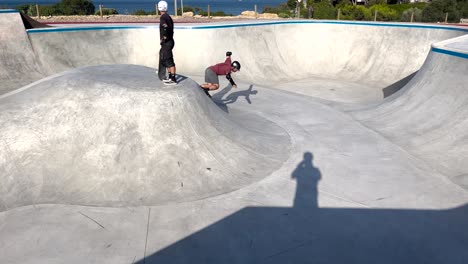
x=164 y=28
x=228 y=61
x=231 y=81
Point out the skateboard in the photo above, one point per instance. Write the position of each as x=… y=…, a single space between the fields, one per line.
x=161 y=71
x=206 y=91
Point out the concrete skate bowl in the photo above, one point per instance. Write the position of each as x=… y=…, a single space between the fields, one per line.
x=98 y=128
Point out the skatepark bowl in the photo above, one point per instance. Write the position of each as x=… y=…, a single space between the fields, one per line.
x=344 y=142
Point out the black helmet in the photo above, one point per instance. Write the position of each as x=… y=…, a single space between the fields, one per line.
x=236 y=64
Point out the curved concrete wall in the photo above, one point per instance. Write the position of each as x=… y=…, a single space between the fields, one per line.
x=429 y=116
x=18 y=65
x=369 y=53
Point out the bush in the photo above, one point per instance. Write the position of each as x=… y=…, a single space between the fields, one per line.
x=66 y=7
x=27 y=9
x=139 y=12
x=384 y=13
x=48 y=10
x=324 y=10
x=463 y=9
x=355 y=12
x=376 y=2
x=282 y=8
x=435 y=11
x=400 y=8
x=195 y=10
x=406 y=15
x=75 y=7
x=106 y=12
x=44 y=10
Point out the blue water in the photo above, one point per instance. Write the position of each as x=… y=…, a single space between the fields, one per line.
x=234 y=7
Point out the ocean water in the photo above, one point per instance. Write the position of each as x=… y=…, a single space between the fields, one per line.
x=234 y=7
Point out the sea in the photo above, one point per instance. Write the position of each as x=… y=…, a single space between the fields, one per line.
x=233 y=7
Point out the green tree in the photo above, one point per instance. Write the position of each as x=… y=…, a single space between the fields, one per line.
x=27 y=9
x=48 y=10
x=436 y=11
x=279 y=9
x=324 y=10
x=463 y=8
x=75 y=7
x=376 y=2
x=406 y=15
x=355 y=12
x=384 y=13
x=139 y=12
x=107 y=12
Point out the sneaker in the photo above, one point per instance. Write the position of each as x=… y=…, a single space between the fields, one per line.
x=166 y=80
x=169 y=82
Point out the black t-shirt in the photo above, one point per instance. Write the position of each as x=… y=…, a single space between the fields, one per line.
x=166 y=27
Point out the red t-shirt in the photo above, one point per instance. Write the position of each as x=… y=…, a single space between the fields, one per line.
x=222 y=68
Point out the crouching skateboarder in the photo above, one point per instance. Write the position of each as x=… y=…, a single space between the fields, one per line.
x=225 y=68
x=166 y=37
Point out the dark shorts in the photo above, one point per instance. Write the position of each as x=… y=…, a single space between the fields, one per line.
x=211 y=76
x=165 y=54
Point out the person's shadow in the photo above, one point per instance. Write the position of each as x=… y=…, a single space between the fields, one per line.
x=232 y=97
x=306 y=233
x=222 y=101
x=307 y=177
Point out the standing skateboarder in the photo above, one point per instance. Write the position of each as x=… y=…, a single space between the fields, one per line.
x=166 y=34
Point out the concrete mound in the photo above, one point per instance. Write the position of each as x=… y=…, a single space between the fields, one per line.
x=116 y=136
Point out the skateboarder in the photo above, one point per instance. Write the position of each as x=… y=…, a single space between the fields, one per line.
x=224 y=68
x=166 y=34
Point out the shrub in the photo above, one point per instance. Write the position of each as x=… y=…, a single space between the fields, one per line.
x=406 y=15
x=435 y=11
x=463 y=8
x=107 y=12
x=215 y=13
x=281 y=8
x=47 y=10
x=400 y=8
x=195 y=10
x=75 y=7
x=139 y=12
x=324 y=10
x=27 y=9
x=376 y=2
x=355 y=12
x=384 y=13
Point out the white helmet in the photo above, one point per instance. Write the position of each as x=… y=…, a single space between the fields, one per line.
x=162 y=6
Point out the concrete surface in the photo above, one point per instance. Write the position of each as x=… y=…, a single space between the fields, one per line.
x=18 y=64
x=259 y=174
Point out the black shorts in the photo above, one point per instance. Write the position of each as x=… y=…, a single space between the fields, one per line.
x=165 y=54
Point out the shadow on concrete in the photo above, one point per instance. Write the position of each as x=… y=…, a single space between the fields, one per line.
x=29 y=23
x=395 y=87
x=223 y=97
x=306 y=233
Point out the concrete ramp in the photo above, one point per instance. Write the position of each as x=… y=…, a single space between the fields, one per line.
x=115 y=136
x=429 y=116
x=330 y=60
